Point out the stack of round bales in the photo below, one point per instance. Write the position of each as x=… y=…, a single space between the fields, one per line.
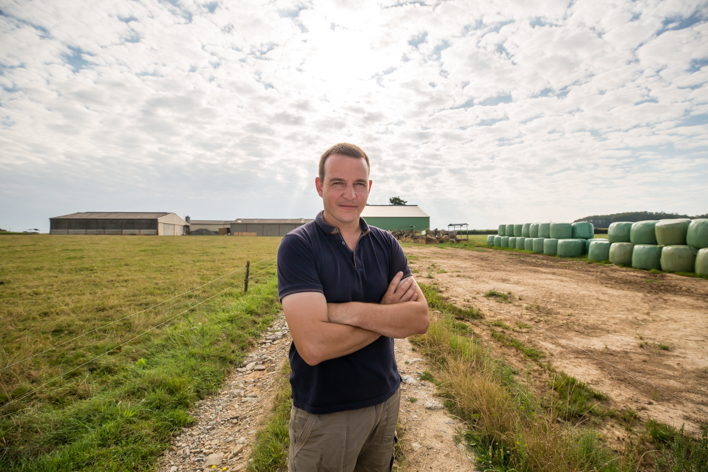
x=697 y=237
x=676 y=255
x=618 y=235
x=646 y=253
x=571 y=240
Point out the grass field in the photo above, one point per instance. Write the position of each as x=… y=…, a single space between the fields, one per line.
x=122 y=374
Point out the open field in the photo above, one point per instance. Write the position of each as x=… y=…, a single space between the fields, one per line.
x=123 y=373
x=630 y=323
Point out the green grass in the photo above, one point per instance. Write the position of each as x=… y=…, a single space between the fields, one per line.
x=270 y=450
x=118 y=411
x=575 y=398
x=437 y=302
x=501 y=324
x=499 y=296
x=530 y=352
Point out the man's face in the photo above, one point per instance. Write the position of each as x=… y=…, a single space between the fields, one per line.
x=345 y=189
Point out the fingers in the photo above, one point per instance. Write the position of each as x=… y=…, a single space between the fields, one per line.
x=393 y=286
x=409 y=293
x=404 y=285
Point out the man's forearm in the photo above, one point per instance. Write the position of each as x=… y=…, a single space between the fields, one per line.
x=334 y=340
x=398 y=320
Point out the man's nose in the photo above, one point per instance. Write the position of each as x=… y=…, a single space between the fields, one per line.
x=351 y=192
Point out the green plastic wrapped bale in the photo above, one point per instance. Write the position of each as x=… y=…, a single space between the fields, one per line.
x=642 y=232
x=672 y=232
x=621 y=253
x=587 y=246
x=646 y=256
x=525 y=230
x=518 y=229
x=509 y=231
x=599 y=250
x=677 y=258
x=497 y=241
x=550 y=246
x=502 y=230
x=561 y=230
x=528 y=244
x=697 y=235
x=505 y=241
x=570 y=247
x=490 y=240
x=583 y=230
x=512 y=242
x=538 y=245
x=533 y=231
x=520 y=243
x=619 y=231
x=544 y=230
x=702 y=262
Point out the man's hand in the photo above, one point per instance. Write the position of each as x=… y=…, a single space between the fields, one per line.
x=400 y=291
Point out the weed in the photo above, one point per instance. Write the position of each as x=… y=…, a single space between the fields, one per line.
x=533 y=307
x=412 y=399
x=522 y=325
x=501 y=324
x=664 y=347
x=426 y=376
x=575 y=398
x=530 y=352
x=499 y=296
x=437 y=302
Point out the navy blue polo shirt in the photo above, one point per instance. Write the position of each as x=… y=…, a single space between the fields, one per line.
x=315 y=258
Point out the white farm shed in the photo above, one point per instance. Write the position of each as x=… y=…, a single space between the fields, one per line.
x=119 y=223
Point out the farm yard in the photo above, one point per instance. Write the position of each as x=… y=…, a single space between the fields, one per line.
x=626 y=321
x=110 y=345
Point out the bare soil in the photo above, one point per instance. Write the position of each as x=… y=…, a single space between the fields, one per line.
x=644 y=335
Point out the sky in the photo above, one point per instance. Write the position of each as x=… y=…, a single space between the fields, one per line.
x=479 y=112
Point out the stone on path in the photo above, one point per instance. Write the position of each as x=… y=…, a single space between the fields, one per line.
x=213 y=459
x=433 y=405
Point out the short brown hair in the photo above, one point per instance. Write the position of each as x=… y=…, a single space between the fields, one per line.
x=346 y=149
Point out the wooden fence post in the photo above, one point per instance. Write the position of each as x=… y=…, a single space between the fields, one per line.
x=245 y=282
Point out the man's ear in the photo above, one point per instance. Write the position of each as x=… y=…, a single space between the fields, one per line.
x=318 y=186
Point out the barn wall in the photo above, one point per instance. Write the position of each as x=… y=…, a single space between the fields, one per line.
x=404 y=223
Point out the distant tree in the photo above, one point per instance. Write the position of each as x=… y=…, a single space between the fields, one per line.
x=397 y=201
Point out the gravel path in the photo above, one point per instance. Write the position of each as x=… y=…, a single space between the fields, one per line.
x=225 y=424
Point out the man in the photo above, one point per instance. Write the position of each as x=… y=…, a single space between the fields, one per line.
x=346 y=291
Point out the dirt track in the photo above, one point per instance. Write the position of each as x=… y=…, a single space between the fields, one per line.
x=605 y=310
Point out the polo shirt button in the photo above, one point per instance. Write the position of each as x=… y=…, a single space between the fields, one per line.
x=343 y=243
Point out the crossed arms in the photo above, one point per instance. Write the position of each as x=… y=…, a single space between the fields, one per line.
x=323 y=331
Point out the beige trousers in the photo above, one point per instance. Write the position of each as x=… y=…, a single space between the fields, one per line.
x=347 y=441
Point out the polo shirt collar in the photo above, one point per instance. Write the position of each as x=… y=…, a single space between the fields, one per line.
x=329 y=229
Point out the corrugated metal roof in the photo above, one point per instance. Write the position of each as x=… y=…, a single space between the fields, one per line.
x=252 y=221
x=119 y=215
x=393 y=211
x=211 y=222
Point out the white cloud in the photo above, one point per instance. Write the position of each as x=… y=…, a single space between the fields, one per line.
x=485 y=112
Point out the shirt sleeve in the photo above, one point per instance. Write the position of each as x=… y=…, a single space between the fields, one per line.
x=398 y=260
x=297 y=271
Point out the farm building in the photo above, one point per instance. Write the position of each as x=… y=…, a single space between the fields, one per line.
x=210 y=226
x=396 y=217
x=125 y=223
x=266 y=227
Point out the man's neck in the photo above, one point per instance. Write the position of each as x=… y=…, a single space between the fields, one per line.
x=349 y=230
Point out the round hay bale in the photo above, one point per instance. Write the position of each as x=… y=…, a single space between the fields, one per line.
x=490 y=240
x=525 y=230
x=561 y=230
x=678 y=258
x=528 y=244
x=646 y=256
x=544 y=230
x=520 y=243
x=502 y=230
x=697 y=235
x=550 y=246
x=642 y=232
x=538 y=245
x=672 y=232
x=702 y=262
x=587 y=245
x=621 y=253
x=497 y=241
x=512 y=242
x=583 y=230
x=533 y=231
x=518 y=229
x=619 y=231
x=599 y=250
x=570 y=247
x=505 y=241
x=509 y=231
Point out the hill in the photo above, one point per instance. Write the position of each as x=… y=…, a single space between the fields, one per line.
x=603 y=221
